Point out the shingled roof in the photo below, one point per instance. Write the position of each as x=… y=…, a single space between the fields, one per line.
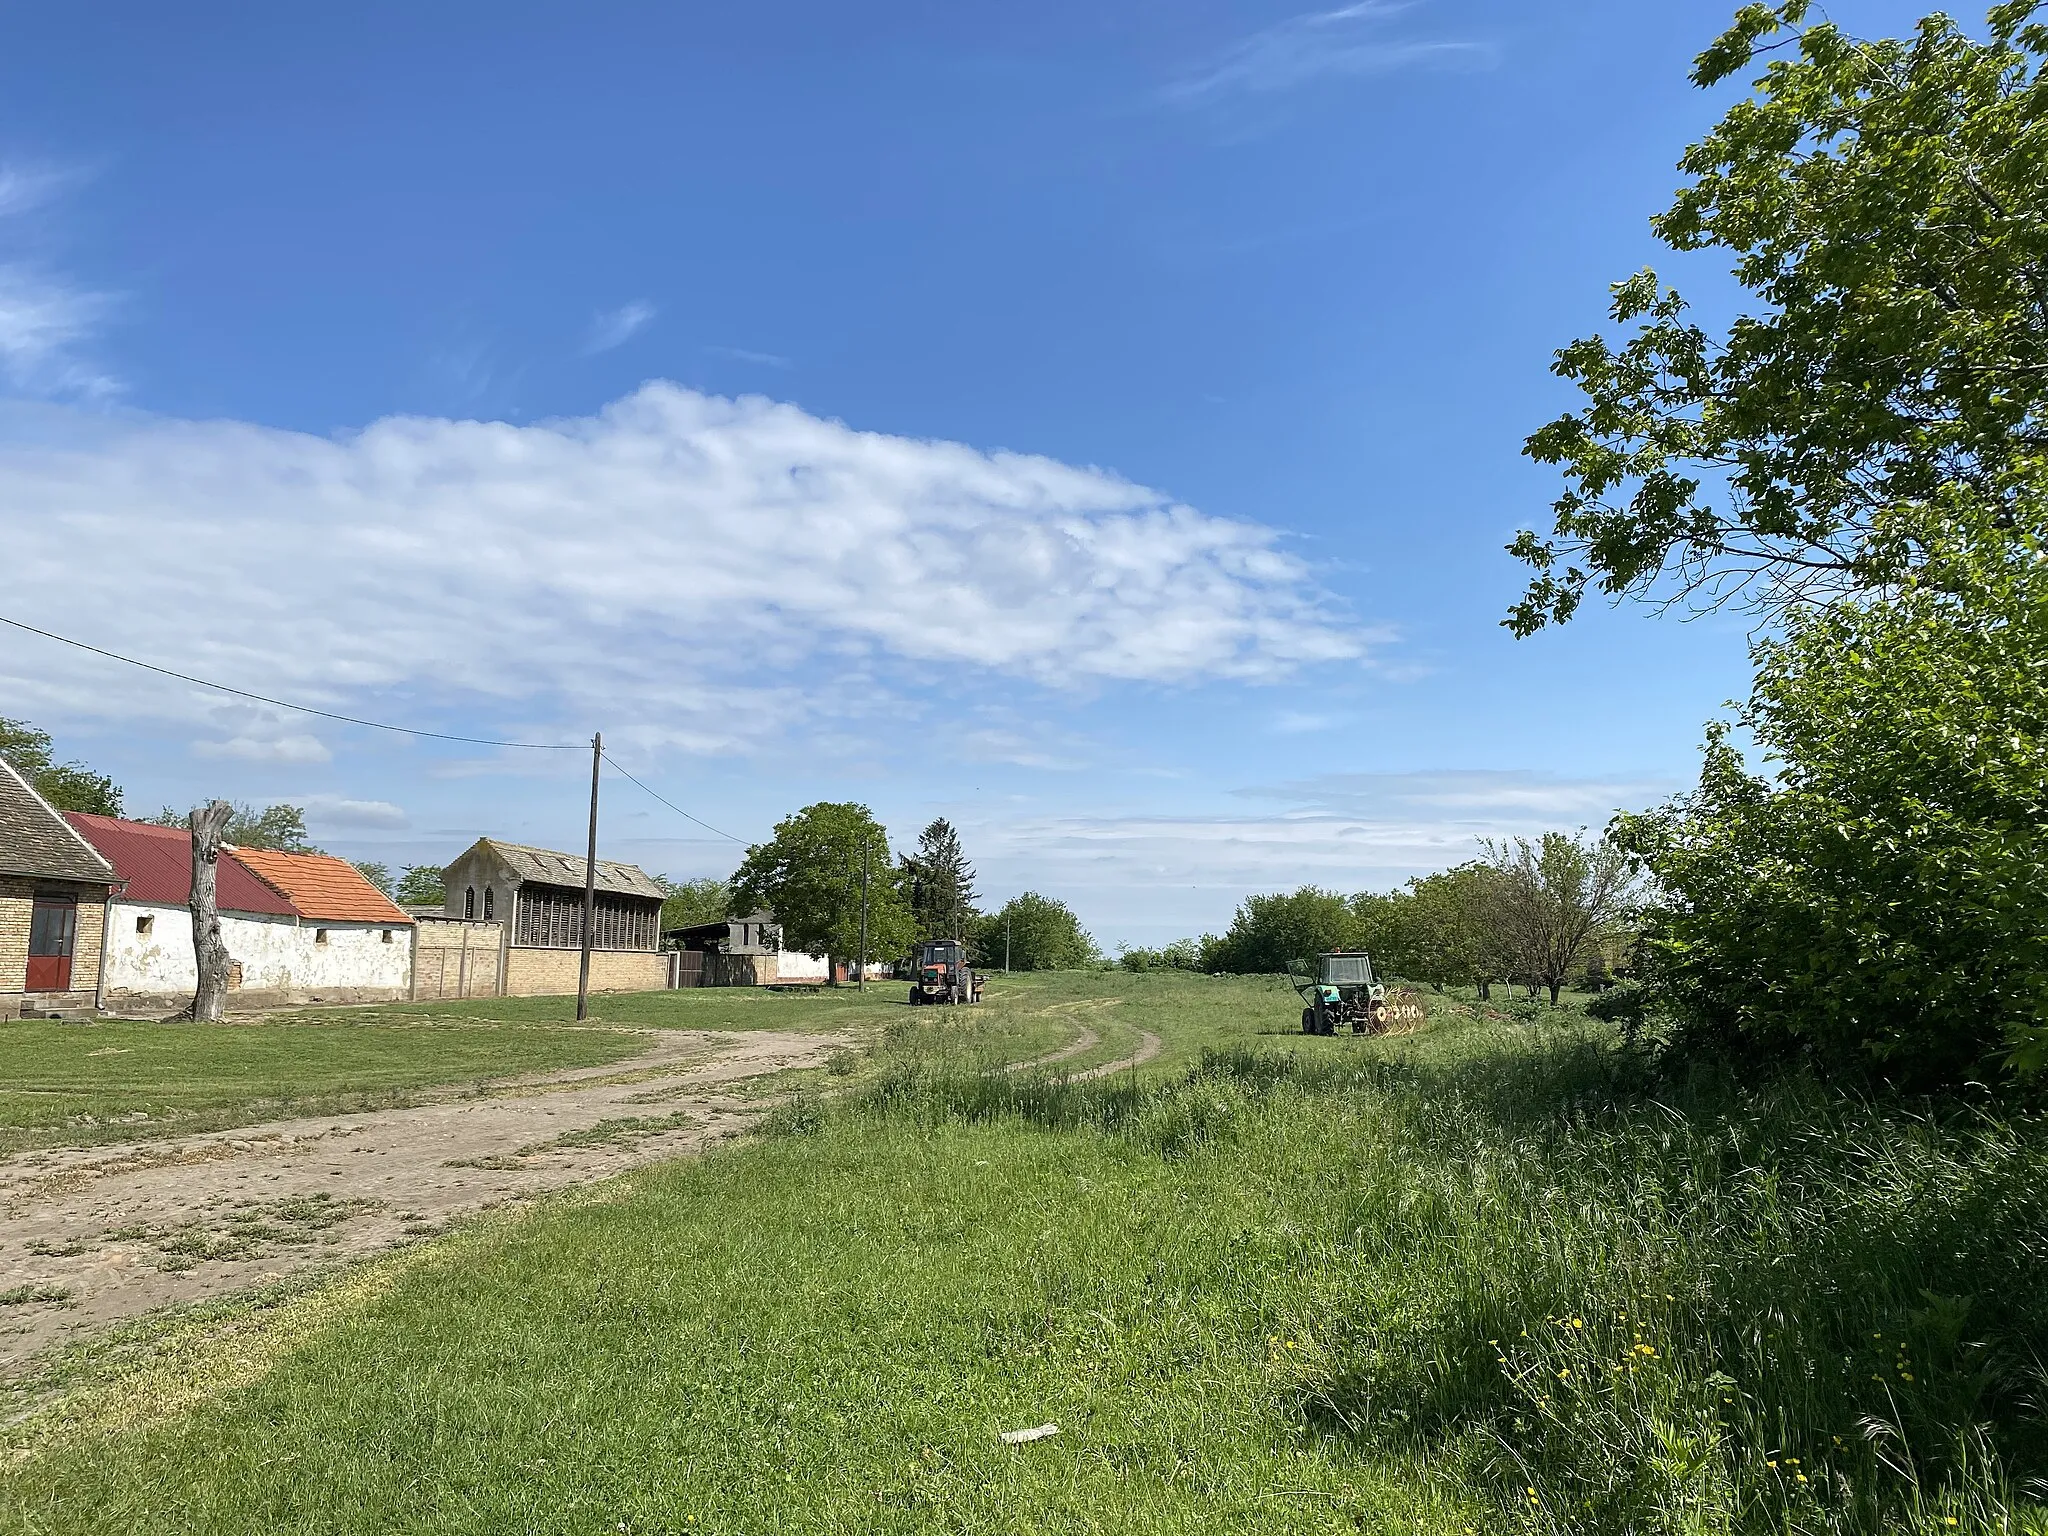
x=37 y=842
x=544 y=866
x=322 y=887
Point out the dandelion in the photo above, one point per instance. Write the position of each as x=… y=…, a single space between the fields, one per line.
x=1905 y=1375
x=1578 y=1322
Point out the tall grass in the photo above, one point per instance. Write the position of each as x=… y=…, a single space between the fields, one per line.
x=1625 y=1304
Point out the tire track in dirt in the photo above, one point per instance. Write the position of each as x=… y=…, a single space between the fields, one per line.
x=1149 y=1046
x=110 y=1233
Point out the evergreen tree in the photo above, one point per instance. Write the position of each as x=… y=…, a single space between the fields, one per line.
x=941 y=883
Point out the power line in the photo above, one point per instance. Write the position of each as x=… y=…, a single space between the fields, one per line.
x=304 y=709
x=673 y=806
x=375 y=725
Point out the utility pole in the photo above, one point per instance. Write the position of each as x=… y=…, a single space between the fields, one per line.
x=863 y=917
x=589 y=885
x=1006 y=942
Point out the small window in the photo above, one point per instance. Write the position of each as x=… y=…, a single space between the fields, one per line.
x=469 y=904
x=490 y=902
x=145 y=923
x=320 y=936
x=387 y=935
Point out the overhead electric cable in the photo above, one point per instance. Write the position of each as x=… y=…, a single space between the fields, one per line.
x=375 y=725
x=304 y=709
x=673 y=806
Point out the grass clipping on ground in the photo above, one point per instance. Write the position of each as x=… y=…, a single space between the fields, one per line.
x=1489 y=1278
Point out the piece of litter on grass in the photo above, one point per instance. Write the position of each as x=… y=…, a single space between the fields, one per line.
x=1026 y=1436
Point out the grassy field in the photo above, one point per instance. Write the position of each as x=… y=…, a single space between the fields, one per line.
x=1485 y=1278
x=81 y=1084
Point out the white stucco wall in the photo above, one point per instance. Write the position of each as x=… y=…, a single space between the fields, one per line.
x=280 y=959
x=791 y=966
x=354 y=956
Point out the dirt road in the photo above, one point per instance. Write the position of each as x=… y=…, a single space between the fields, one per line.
x=90 y=1236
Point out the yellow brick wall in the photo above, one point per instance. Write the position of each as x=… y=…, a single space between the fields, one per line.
x=552 y=972
x=15 y=898
x=17 y=904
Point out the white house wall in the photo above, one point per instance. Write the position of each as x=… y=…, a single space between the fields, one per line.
x=279 y=960
x=791 y=966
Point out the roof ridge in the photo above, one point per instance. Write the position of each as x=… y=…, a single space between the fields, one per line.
x=58 y=816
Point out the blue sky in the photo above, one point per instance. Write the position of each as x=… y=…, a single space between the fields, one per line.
x=1097 y=423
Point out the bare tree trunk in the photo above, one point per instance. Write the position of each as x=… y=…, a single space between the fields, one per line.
x=208 y=824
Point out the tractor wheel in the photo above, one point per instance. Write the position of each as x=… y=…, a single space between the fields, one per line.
x=915 y=997
x=1308 y=1021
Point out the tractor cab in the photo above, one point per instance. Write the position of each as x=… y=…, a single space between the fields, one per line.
x=1341 y=989
x=943 y=974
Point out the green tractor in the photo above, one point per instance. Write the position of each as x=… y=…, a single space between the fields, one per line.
x=1342 y=990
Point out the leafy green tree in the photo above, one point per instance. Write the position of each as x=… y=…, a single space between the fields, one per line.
x=67 y=786
x=1271 y=932
x=281 y=827
x=420 y=885
x=1043 y=934
x=377 y=874
x=809 y=876
x=1880 y=410
x=690 y=902
x=941 y=883
x=1449 y=937
x=1180 y=955
x=1878 y=901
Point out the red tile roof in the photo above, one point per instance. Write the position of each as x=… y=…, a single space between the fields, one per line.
x=157 y=864
x=323 y=887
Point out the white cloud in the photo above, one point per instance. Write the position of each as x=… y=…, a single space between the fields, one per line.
x=1348 y=831
x=341 y=812
x=743 y=355
x=685 y=569
x=1346 y=42
x=299 y=750
x=44 y=318
x=616 y=326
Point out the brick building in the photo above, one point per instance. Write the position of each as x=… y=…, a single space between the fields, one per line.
x=53 y=905
x=535 y=895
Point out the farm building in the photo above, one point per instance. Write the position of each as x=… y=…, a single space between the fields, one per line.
x=53 y=905
x=536 y=896
x=356 y=945
x=149 y=965
x=739 y=952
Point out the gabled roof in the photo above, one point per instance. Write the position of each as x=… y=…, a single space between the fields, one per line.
x=544 y=866
x=35 y=840
x=156 y=862
x=323 y=888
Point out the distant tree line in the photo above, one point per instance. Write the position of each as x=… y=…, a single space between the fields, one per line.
x=1543 y=913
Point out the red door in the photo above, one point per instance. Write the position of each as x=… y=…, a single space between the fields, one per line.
x=52 y=935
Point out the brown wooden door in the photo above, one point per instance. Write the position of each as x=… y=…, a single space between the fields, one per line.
x=52 y=935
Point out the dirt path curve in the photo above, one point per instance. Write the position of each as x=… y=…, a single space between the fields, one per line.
x=1149 y=1045
x=107 y=1233
x=1084 y=1042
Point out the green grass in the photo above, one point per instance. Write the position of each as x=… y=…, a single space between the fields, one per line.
x=85 y=1084
x=1486 y=1278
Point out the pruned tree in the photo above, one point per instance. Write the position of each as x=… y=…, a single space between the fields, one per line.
x=209 y=1001
x=1552 y=900
x=941 y=883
